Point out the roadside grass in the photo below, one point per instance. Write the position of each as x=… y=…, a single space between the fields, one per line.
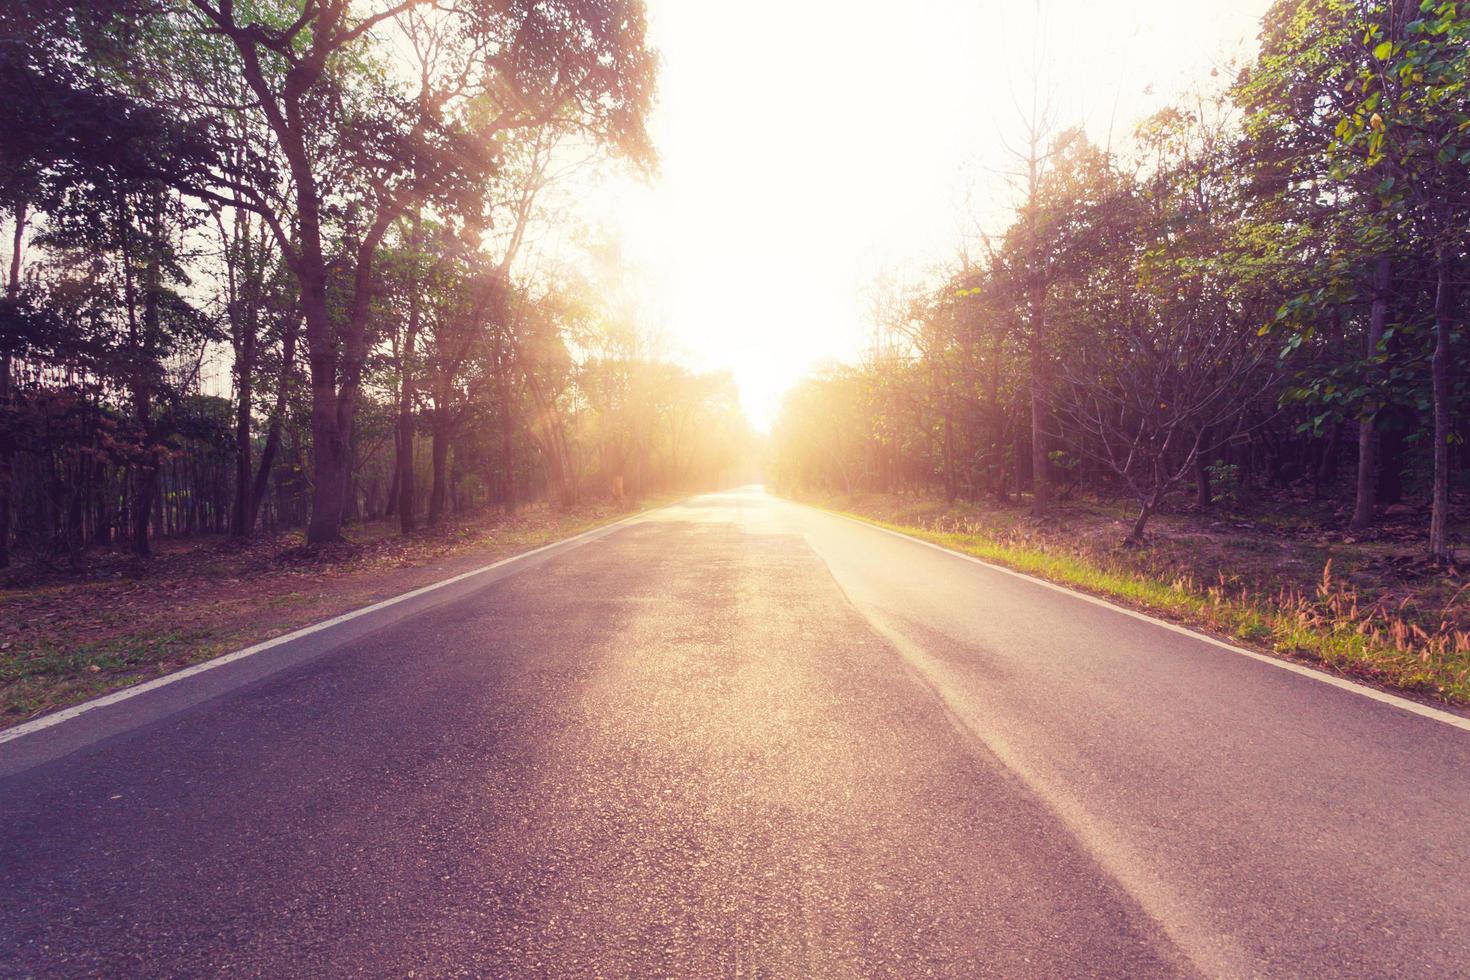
x=67 y=635
x=1328 y=622
x=31 y=674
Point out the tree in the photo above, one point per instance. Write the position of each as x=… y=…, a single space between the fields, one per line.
x=1413 y=122
x=1032 y=238
x=1328 y=193
x=364 y=150
x=74 y=134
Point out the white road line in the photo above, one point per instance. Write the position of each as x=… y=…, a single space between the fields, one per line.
x=1372 y=693
x=67 y=714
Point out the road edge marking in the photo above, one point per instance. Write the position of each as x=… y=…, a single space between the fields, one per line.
x=1372 y=693
x=61 y=715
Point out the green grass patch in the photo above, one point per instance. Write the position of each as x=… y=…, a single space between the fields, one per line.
x=120 y=653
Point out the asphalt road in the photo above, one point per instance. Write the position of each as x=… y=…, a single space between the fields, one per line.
x=746 y=738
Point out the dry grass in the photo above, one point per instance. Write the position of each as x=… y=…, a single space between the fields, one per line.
x=1389 y=620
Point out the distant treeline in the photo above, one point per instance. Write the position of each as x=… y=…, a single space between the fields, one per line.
x=293 y=263
x=1266 y=287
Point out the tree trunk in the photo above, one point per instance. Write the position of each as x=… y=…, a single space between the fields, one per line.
x=337 y=359
x=1040 y=475
x=403 y=442
x=329 y=459
x=273 y=434
x=350 y=512
x=241 y=516
x=243 y=316
x=552 y=441
x=12 y=290
x=331 y=410
x=390 y=507
x=145 y=490
x=996 y=473
x=1204 y=494
x=102 y=512
x=507 y=450
x=6 y=454
x=951 y=484
x=1135 y=535
x=1367 y=424
x=1439 y=534
x=403 y=465
x=145 y=495
x=441 y=458
x=331 y=415
x=455 y=504
x=1040 y=479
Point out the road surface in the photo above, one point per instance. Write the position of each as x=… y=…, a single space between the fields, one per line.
x=746 y=738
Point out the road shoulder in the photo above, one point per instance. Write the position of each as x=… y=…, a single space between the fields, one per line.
x=359 y=609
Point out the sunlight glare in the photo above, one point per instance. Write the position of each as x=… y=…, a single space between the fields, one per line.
x=808 y=148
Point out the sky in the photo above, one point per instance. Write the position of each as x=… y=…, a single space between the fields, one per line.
x=810 y=149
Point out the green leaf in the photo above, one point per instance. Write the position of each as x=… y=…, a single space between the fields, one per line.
x=1383 y=50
